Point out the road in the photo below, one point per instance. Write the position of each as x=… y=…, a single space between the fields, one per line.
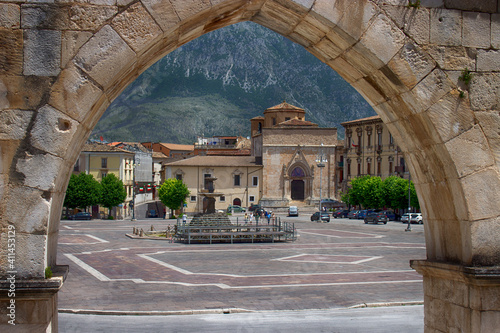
x=333 y=265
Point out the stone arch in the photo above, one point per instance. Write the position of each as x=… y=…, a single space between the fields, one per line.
x=60 y=71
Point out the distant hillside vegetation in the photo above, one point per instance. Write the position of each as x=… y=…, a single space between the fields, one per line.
x=215 y=84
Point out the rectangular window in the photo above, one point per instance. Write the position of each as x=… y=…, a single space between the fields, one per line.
x=359 y=169
x=251 y=198
x=255 y=180
x=103 y=174
x=391 y=139
x=369 y=140
x=368 y=168
x=104 y=162
x=222 y=199
x=379 y=140
x=178 y=176
x=390 y=168
x=348 y=169
x=193 y=198
x=236 y=180
x=379 y=172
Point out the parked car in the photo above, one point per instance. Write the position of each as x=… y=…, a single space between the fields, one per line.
x=353 y=214
x=253 y=207
x=152 y=213
x=375 y=217
x=293 y=211
x=235 y=208
x=416 y=218
x=404 y=218
x=340 y=213
x=391 y=216
x=362 y=213
x=320 y=216
x=81 y=216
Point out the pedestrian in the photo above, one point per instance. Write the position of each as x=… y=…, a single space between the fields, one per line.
x=246 y=218
x=184 y=218
x=273 y=218
x=268 y=215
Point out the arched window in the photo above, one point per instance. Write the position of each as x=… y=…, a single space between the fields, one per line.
x=298 y=172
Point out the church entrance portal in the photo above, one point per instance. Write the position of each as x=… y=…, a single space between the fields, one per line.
x=297 y=190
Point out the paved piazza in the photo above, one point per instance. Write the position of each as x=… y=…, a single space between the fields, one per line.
x=331 y=265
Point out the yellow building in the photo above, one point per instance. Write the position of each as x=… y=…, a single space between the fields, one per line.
x=370 y=150
x=100 y=160
x=222 y=180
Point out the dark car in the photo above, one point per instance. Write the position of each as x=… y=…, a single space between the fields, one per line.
x=254 y=207
x=353 y=214
x=391 y=216
x=362 y=214
x=152 y=213
x=320 y=216
x=340 y=213
x=81 y=216
x=375 y=217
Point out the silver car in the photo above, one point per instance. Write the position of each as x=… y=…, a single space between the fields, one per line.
x=405 y=217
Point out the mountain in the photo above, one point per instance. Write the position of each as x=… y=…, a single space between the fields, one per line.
x=215 y=84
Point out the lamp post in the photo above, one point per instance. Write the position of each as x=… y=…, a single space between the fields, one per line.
x=409 y=204
x=320 y=162
x=137 y=161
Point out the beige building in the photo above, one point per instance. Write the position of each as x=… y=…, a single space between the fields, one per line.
x=222 y=180
x=370 y=150
x=299 y=159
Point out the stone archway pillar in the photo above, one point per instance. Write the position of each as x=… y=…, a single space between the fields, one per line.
x=459 y=298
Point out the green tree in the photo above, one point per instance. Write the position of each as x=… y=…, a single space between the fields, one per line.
x=356 y=192
x=173 y=193
x=113 y=192
x=395 y=191
x=413 y=197
x=372 y=195
x=83 y=191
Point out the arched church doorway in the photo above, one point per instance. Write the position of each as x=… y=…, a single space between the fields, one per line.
x=237 y=202
x=297 y=189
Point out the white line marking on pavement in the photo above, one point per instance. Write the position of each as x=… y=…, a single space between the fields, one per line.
x=88 y=268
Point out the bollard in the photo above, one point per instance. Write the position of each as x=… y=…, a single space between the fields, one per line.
x=141 y=233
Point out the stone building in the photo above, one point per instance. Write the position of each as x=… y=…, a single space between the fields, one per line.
x=370 y=150
x=218 y=181
x=288 y=147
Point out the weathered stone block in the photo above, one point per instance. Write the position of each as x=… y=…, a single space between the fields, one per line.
x=482 y=203
x=36 y=176
x=89 y=17
x=446 y=27
x=188 y=8
x=488 y=60
x=10 y=16
x=71 y=43
x=344 y=69
x=30 y=248
x=488 y=6
x=104 y=56
x=308 y=33
x=11 y=52
x=278 y=18
x=136 y=26
x=42 y=52
x=43 y=16
x=23 y=92
x=163 y=12
x=485 y=252
x=476 y=29
x=451 y=116
x=460 y=147
x=52 y=130
x=326 y=11
x=431 y=89
x=495 y=31
x=455 y=58
x=326 y=49
x=74 y=94
x=411 y=65
x=14 y=123
x=357 y=16
x=414 y=21
x=383 y=39
x=485 y=91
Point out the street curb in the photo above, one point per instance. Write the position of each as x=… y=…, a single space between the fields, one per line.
x=376 y=305
x=153 y=313
x=219 y=311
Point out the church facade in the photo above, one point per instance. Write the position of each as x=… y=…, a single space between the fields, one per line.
x=299 y=159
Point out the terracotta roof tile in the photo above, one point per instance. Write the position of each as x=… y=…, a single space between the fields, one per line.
x=296 y=122
x=233 y=161
x=284 y=107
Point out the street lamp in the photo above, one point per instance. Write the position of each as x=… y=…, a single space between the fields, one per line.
x=320 y=160
x=137 y=161
x=409 y=204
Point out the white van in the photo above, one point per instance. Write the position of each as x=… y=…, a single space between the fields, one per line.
x=293 y=211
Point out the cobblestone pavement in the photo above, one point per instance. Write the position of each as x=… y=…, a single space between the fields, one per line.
x=331 y=265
